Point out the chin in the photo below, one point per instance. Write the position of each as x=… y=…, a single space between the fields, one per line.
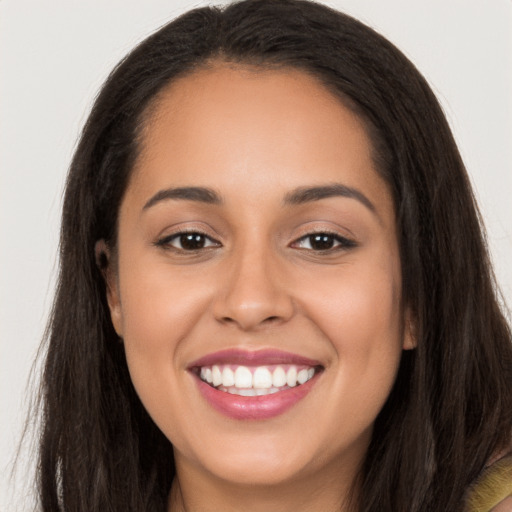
x=265 y=475
x=256 y=468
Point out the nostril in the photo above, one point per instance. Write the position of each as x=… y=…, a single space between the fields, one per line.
x=268 y=320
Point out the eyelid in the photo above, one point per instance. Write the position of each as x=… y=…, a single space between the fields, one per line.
x=344 y=243
x=165 y=240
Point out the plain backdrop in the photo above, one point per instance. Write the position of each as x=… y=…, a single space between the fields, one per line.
x=54 y=55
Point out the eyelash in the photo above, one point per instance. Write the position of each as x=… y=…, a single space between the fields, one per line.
x=166 y=242
x=343 y=243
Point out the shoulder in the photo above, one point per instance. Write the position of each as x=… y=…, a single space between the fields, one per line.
x=492 y=491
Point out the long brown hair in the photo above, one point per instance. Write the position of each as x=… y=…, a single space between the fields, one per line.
x=451 y=406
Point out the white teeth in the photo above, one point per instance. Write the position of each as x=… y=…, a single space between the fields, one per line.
x=302 y=376
x=228 y=377
x=243 y=377
x=291 y=376
x=262 y=378
x=255 y=381
x=247 y=392
x=279 y=377
x=216 y=376
x=251 y=391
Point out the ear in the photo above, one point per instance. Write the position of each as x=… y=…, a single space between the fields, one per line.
x=410 y=340
x=104 y=261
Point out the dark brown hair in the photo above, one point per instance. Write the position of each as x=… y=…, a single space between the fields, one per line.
x=451 y=407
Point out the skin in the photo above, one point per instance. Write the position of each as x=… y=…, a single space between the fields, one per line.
x=254 y=136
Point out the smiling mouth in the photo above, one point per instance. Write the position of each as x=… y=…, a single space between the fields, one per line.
x=254 y=385
x=252 y=381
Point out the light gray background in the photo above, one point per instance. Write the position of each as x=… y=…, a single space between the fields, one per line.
x=54 y=55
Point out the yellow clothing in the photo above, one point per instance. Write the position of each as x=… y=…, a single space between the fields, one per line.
x=492 y=492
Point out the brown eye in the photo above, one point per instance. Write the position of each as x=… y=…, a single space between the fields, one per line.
x=323 y=242
x=190 y=241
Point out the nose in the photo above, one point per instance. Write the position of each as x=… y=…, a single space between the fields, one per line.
x=253 y=292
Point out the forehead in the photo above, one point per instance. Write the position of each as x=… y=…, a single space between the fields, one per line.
x=255 y=99
x=233 y=124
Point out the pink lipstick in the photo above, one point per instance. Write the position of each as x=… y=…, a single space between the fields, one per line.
x=254 y=385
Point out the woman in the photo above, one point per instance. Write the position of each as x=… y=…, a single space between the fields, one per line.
x=274 y=291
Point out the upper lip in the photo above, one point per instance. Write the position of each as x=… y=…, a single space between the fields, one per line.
x=253 y=358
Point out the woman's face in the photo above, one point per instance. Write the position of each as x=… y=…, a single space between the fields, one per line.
x=258 y=255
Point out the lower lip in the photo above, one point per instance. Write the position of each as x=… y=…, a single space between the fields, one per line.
x=254 y=407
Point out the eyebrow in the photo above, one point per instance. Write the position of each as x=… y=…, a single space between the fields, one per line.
x=200 y=194
x=303 y=195
x=297 y=196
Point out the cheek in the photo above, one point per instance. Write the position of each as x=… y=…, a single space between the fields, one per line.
x=358 y=307
x=159 y=309
x=359 y=312
x=159 y=305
